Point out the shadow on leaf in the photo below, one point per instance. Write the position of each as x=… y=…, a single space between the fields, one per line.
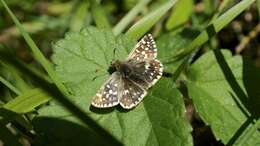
x=58 y=132
x=249 y=101
x=58 y=95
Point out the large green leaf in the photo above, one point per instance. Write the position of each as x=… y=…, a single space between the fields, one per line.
x=158 y=120
x=224 y=91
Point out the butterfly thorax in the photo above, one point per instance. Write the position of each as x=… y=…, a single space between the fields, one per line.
x=123 y=68
x=131 y=70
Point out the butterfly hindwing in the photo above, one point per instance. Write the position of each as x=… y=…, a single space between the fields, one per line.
x=144 y=49
x=107 y=96
x=131 y=94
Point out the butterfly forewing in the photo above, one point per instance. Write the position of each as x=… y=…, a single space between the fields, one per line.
x=107 y=96
x=131 y=94
x=144 y=49
x=145 y=73
x=153 y=71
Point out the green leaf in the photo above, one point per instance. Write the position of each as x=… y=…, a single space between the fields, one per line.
x=82 y=56
x=224 y=91
x=179 y=17
x=27 y=101
x=146 y=23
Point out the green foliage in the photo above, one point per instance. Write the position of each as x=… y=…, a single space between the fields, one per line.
x=223 y=88
x=77 y=67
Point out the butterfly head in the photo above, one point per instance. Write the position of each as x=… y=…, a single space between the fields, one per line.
x=122 y=67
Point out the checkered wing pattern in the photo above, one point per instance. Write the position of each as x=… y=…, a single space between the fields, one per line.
x=131 y=94
x=145 y=73
x=144 y=49
x=107 y=96
x=152 y=72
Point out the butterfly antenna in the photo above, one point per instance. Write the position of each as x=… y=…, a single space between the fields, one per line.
x=114 y=53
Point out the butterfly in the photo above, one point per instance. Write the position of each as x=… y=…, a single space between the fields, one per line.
x=128 y=84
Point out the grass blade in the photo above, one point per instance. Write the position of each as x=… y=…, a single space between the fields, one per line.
x=28 y=101
x=10 y=86
x=120 y=26
x=146 y=23
x=19 y=82
x=99 y=15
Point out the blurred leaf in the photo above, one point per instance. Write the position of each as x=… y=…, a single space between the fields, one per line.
x=258 y=8
x=147 y=22
x=223 y=90
x=79 y=17
x=178 y=16
x=80 y=57
x=209 y=6
x=27 y=101
x=58 y=8
x=99 y=15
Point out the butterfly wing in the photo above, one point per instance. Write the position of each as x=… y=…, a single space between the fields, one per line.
x=145 y=73
x=107 y=96
x=153 y=71
x=131 y=94
x=144 y=49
